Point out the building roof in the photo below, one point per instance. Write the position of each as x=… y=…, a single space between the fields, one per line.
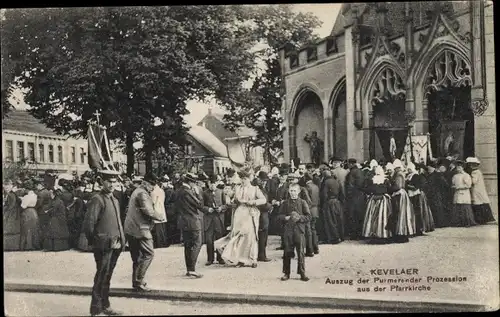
x=23 y=121
x=208 y=140
x=240 y=132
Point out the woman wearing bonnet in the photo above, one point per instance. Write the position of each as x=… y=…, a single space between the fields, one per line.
x=402 y=220
x=461 y=183
x=378 y=208
x=415 y=185
x=239 y=248
x=480 y=200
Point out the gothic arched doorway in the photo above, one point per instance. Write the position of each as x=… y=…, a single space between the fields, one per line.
x=451 y=120
x=309 y=121
x=339 y=146
x=389 y=127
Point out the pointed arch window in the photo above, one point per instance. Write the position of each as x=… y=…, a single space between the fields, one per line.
x=387 y=85
x=448 y=70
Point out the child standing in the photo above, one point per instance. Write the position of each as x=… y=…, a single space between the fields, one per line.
x=294 y=213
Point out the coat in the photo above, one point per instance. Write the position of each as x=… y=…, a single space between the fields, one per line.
x=102 y=225
x=141 y=215
x=479 y=195
x=461 y=184
x=314 y=195
x=188 y=206
x=294 y=205
x=58 y=223
x=213 y=219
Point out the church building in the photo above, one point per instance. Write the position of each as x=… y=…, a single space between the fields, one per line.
x=391 y=70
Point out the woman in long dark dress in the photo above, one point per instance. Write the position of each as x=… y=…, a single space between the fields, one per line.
x=11 y=218
x=30 y=226
x=378 y=208
x=58 y=232
x=423 y=217
x=436 y=196
x=480 y=200
x=462 y=215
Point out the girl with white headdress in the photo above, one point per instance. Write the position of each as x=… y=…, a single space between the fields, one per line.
x=402 y=220
x=461 y=213
x=480 y=200
x=378 y=208
x=415 y=185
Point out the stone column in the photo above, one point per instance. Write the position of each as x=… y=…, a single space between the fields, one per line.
x=292 y=139
x=328 y=150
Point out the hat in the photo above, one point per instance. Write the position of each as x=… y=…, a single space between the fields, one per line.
x=389 y=166
x=472 y=160
x=459 y=163
x=213 y=179
x=397 y=163
x=150 y=178
x=373 y=163
x=283 y=172
x=190 y=177
x=292 y=176
x=335 y=159
x=230 y=172
x=137 y=179
x=352 y=161
x=263 y=176
x=202 y=177
x=244 y=173
x=432 y=163
x=379 y=170
x=108 y=173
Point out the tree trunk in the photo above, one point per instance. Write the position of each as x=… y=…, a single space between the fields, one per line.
x=148 y=153
x=129 y=149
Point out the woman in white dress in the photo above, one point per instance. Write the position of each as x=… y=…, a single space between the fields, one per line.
x=239 y=248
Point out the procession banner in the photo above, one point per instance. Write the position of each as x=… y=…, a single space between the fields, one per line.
x=97 y=147
x=420 y=145
x=451 y=138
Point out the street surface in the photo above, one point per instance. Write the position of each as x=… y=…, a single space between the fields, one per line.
x=446 y=253
x=26 y=304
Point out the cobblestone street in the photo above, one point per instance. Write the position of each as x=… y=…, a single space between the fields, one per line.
x=464 y=252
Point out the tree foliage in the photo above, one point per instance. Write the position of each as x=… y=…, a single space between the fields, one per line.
x=260 y=107
x=135 y=65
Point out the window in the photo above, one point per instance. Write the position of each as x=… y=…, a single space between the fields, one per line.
x=60 y=154
x=73 y=155
x=31 y=151
x=41 y=152
x=82 y=155
x=51 y=153
x=9 y=149
x=20 y=150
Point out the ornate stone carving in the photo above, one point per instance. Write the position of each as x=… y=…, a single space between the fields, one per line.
x=421 y=38
x=467 y=37
x=449 y=70
x=402 y=58
x=410 y=116
x=442 y=31
x=479 y=107
x=388 y=85
x=395 y=48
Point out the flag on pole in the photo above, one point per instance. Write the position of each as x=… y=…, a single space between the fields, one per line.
x=97 y=148
x=419 y=145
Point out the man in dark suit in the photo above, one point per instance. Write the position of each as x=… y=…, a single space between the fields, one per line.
x=262 y=181
x=355 y=200
x=104 y=231
x=311 y=234
x=213 y=207
x=189 y=206
x=278 y=196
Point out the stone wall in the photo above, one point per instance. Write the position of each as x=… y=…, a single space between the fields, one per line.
x=486 y=146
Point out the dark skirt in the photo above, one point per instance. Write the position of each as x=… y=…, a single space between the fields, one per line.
x=424 y=220
x=11 y=230
x=482 y=213
x=333 y=221
x=462 y=216
x=377 y=217
x=83 y=244
x=160 y=237
x=30 y=230
x=55 y=245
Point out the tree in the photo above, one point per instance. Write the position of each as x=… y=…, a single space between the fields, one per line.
x=135 y=65
x=259 y=108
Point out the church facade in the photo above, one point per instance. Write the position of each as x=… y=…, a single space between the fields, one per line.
x=389 y=70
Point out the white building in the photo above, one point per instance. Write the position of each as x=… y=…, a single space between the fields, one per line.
x=25 y=137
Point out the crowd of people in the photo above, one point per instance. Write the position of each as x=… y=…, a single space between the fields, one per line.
x=234 y=213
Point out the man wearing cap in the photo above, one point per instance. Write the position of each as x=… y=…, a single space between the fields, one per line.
x=262 y=181
x=435 y=192
x=189 y=206
x=138 y=225
x=355 y=200
x=213 y=207
x=103 y=229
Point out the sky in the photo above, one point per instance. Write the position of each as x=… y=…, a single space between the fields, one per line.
x=326 y=13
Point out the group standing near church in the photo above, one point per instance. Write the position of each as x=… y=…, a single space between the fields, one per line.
x=233 y=214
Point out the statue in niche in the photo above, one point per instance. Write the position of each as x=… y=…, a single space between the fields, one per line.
x=316 y=145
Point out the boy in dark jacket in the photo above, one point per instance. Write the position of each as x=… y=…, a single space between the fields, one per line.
x=294 y=213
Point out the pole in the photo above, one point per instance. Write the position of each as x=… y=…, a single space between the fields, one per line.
x=411 y=145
